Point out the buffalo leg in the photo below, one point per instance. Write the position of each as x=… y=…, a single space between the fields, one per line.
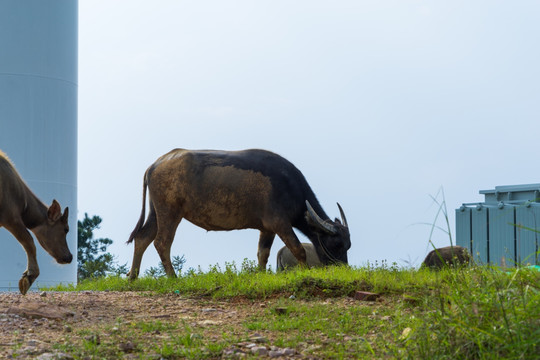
x=163 y=243
x=291 y=241
x=266 y=239
x=32 y=268
x=145 y=236
x=141 y=244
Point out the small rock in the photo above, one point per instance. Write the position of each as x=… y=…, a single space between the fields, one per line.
x=54 y=356
x=405 y=333
x=137 y=357
x=37 y=310
x=259 y=350
x=366 y=296
x=258 y=338
x=292 y=297
x=67 y=328
x=30 y=350
x=281 y=310
x=209 y=322
x=43 y=294
x=275 y=353
x=126 y=347
x=312 y=348
x=33 y=342
x=288 y=352
x=208 y=310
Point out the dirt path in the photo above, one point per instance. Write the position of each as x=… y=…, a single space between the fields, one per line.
x=47 y=325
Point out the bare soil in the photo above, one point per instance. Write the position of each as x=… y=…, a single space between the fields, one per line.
x=43 y=325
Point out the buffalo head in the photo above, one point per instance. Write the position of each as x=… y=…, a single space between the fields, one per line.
x=332 y=238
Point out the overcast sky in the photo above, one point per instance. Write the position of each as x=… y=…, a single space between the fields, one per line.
x=379 y=103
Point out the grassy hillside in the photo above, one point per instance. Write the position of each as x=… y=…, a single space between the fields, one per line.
x=470 y=313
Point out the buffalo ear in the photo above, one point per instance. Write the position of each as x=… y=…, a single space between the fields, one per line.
x=55 y=211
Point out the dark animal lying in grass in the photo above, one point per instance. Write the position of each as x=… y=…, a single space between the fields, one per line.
x=447 y=256
x=286 y=259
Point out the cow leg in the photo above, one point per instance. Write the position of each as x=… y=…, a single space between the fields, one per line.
x=266 y=239
x=145 y=236
x=291 y=241
x=32 y=269
x=163 y=242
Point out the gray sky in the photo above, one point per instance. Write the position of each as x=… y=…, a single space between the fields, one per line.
x=378 y=103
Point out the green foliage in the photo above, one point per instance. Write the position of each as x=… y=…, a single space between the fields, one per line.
x=480 y=313
x=92 y=259
x=177 y=264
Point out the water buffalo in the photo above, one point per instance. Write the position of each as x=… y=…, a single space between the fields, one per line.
x=228 y=190
x=285 y=258
x=20 y=210
x=447 y=256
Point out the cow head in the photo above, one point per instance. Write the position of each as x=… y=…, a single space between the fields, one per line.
x=51 y=234
x=332 y=237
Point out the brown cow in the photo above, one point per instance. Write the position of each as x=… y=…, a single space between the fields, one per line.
x=447 y=256
x=229 y=190
x=20 y=210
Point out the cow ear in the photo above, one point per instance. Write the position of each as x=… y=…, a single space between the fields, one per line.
x=65 y=215
x=55 y=211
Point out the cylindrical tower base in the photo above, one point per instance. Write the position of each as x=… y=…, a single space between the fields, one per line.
x=38 y=120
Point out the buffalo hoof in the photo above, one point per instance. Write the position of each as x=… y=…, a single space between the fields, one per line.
x=24 y=284
x=132 y=275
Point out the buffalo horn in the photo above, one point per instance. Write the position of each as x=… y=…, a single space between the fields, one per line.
x=323 y=225
x=343 y=218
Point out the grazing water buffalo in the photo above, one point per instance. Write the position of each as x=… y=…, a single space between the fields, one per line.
x=447 y=256
x=285 y=258
x=20 y=210
x=228 y=190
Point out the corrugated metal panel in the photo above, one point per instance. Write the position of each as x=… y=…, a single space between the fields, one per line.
x=512 y=194
x=480 y=240
x=463 y=227
x=527 y=233
x=501 y=235
x=505 y=228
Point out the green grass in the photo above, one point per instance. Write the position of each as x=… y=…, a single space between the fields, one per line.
x=469 y=313
x=322 y=282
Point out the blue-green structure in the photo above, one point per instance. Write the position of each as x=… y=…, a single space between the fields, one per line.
x=503 y=230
